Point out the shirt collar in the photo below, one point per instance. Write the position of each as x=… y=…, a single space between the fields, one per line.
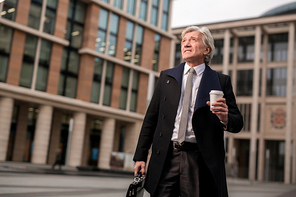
x=199 y=69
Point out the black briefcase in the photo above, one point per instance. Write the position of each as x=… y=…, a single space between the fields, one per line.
x=136 y=188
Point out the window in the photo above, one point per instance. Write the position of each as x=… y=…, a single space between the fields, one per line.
x=44 y=61
x=157 y=38
x=9 y=9
x=124 y=88
x=276 y=81
x=246 y=111
x=244 y=83
x=154 y=12
x=70 y=58
x=108 y=84
x=129 y=34
x=106 y=1
x=96 y=86
x=113 y=35
x=118 y=4
x=50 y=16
x=277 y=47
x=28 y=61
x=143 y=10
x=102 y=31
x=131 y=7
x=134 y=94
x=246 y=49
x=5 y=43
x=178 y=55
x=139 y=42
x=218 y=53
x=165 y=15
x=35 y=14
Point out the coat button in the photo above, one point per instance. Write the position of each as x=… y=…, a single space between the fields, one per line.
x=164 y=98
x=160 y=135
x=168 y=81
x=158 y=152
x=162 y=116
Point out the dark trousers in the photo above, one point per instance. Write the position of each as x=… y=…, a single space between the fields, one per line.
x=180 y=176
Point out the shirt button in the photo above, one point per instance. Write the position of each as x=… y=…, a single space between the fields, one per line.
x=160 y=135
x=164 y=98
x=158 y=152
x=162 y=116
x=168 y=81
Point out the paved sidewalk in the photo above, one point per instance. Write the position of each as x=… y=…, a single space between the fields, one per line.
x=236 y=187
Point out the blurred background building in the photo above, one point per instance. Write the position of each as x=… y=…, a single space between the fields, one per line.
x=77 y=75
x=259 y=55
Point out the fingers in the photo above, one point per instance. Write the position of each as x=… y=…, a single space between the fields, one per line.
x=140 y=165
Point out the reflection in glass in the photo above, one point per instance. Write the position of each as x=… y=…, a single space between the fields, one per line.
x=244 y=83
x=276 y=82
x=96 y=87
x=131 y=7
x=35 y=14
x=9 y=9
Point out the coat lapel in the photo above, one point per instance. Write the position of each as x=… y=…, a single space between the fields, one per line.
x=177 y=73
x=210 y=81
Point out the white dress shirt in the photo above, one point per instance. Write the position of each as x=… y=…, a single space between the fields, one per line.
x=190 y=136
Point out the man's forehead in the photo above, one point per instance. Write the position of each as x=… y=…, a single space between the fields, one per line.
x=192 y=34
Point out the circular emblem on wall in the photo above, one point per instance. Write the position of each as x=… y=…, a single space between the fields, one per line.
x=278 y=118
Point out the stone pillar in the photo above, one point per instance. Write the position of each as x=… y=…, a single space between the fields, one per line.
x=226 y=51
x=77 y=139
x=261 y=154
x=106 y=145
x=55 y=136
x=20 y=135
x=6 y=109
x=289 y=97
x=85 y=155
x=42 y=133
x=255 y=98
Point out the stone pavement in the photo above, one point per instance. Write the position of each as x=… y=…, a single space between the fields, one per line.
x=30 y=180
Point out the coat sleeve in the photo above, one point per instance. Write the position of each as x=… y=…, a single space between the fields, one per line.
x=149 y=124
x=235 y=119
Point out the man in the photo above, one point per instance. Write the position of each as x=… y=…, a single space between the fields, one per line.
x=194 y=168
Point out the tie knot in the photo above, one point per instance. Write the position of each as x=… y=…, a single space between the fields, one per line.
x=191 y=70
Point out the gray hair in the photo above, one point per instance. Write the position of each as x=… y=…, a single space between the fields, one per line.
x=207 y=39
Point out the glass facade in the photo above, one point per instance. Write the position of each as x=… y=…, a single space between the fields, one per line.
x=139 y=42
x=154 y=12
x=28 y=61
x=35 y=14
x=108 y=84
x=246 y=49
x=118 y=4
x=244 y=83
x=129 y=35
x=5 y=45
x=277 y=47
x=124 y=88
x=70 y=58
x=102 y=31
x=44 y=61
x=134 y=93
x=165 y=15
x=50 y=16
x=96 y=86
x=113 y=35
x=131 y=5
x=9 y=9
x=143 y=10
x=157 y=39
x=276 y=82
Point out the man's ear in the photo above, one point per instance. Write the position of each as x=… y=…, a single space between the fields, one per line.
x=207 y=51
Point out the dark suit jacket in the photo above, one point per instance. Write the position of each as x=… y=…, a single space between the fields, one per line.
x=159 y=121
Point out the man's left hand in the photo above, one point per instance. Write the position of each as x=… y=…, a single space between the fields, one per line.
x=220 y=109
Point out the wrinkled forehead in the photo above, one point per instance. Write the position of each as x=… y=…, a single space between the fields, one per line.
x=190 y=34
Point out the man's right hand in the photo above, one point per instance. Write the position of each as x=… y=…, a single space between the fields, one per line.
x=140 y=165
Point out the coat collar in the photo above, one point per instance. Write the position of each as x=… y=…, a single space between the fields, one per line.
x=209 y=81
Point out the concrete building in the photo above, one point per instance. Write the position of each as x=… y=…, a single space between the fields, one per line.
x=259 y=55
x=77 y=75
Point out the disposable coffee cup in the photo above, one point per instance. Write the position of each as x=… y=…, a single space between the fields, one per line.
x=214 y=95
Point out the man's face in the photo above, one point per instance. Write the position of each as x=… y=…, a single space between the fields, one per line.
x=193 y=50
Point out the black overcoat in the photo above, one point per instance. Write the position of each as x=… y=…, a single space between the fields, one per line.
x=159 y=121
